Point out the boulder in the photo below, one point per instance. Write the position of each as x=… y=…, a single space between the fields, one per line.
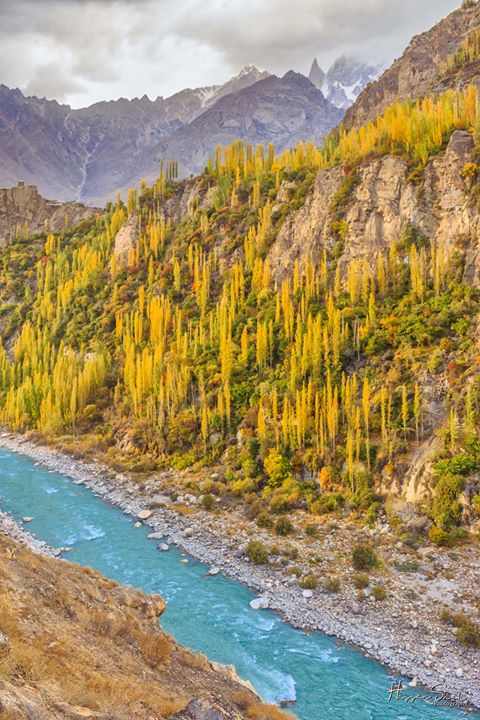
x=27 y=519
x=260 y=603
x=144 y=514
x=163 y=547
x=307 y=594
x=203 y=709
x=214 y=571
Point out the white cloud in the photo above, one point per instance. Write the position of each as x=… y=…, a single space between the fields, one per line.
x=88 y=50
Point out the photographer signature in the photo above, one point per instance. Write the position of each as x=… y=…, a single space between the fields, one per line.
x=433 y=696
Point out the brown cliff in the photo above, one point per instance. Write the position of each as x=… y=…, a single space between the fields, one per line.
x=24 y=212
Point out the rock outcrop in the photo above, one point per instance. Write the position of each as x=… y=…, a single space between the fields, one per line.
x=383 y=202
x=24 y=212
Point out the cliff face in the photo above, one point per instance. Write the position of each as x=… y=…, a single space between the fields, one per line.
x=24 y=212
x=419 y=70
x=382 y=204
x=75 y=645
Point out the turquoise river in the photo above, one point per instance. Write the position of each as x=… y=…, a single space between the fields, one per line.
x=208 y=614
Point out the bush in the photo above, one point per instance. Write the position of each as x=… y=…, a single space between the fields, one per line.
x=439 y=537
x=309 y=582
x=379 y=592
x=311 y=530
x=469 y=635
x=364 y=557
x=208 y=502
x=361 y=581
x=283 y=526
x=277 y=467
x=327 y=504
x=468 y=632
x=264 y=520
x=332 y=585
x=256 y=552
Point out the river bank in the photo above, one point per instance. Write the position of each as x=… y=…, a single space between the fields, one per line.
x=403 y=631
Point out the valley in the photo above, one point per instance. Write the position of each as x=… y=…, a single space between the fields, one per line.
x=249 y=363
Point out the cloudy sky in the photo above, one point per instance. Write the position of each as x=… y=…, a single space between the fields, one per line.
x=81 y=51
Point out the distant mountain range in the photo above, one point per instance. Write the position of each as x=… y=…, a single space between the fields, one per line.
x=91 y=153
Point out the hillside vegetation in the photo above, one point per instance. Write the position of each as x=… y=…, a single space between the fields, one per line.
x=177 y=347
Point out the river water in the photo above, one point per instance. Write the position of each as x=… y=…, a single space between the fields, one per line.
x=208 y=614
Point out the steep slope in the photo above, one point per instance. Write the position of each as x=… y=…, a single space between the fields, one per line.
x=306 y=319
x=420 y=70
x=76 y=645
x=282 y=111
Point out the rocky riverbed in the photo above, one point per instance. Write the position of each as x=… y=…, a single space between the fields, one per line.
x=403 y=631
x=9 y=526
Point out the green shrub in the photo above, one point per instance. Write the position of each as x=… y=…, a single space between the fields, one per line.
x=311 y=530
x=379 y=592
x=469 y=635
x=283 y=526
x=256 y=552
x=309 y=582
x=332 y=585
x=364 y=557
x=264 y=520
x=468 y=632
x=327 y=504
x=361 y=581
x=208 y=502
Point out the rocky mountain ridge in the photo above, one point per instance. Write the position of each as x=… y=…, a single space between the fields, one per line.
x=419 y=70
x=283 y=111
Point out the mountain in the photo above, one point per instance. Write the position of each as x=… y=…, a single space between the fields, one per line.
x=420 y=69
x=288 y=345
x=91 y=153
x=344 y=81
x=282 y=111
